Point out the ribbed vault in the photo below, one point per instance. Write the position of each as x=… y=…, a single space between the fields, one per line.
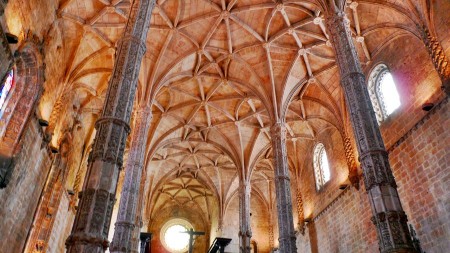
x=217 y=74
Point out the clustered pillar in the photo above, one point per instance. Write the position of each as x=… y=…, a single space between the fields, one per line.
x=128 y=209
x=245 y=231
x=388 y=215
x=283 y=189
x=90 y=230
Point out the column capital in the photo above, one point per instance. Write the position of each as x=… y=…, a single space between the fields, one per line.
x=278 y=129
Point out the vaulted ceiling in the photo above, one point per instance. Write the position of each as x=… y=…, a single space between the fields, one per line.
x=217 y=74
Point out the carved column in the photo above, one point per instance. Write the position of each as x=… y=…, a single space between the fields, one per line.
x=388 y=215
x=135 y=241
x=129 y=201
x=283 y=189
x=245 y=230
x=90 y=230
x=440 y=61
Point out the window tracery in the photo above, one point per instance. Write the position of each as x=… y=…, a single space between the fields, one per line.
x=383 y=92
x=321 y=166
x=5 y=90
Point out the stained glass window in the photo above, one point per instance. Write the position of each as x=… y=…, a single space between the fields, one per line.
x=5 y=89
x=321 y=166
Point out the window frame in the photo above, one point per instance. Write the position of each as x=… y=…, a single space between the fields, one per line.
x=319 y=173
x=4 y=106
x=376 y=95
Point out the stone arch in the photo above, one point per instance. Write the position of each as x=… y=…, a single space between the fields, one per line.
x=29 y=78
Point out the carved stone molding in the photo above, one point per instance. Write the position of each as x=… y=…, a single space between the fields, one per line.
x=353 y=176
x=440 y=61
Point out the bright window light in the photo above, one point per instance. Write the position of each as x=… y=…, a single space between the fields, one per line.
x=321 y=166
x=391 y=98
x=175 y=239
x=325 y=166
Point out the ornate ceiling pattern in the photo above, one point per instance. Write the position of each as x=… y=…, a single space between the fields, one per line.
x=217 y=73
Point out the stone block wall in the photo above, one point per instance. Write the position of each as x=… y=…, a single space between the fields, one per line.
x=18 y=201
x=62 y=226
x=421 y=165
x=420 y=161
x=344 y=226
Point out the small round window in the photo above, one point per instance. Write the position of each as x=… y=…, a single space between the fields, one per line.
x=173 y=236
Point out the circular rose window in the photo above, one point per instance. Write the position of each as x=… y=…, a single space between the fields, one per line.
x=172 y=236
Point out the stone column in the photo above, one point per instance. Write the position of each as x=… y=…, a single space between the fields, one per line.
x=135 y=241
x=283 y=189
x=129 y=201
x=388 y=215
x=437 y=53
x=245 y=230
x=90 y=230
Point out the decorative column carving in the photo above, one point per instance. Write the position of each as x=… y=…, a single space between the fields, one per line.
x=283 y=189
x=440 y=61
x=353 y=176
x=135 y=241
x=90 y=230
x=245 y=230
x=388 y=215
x=129 y=202
x=300 y=211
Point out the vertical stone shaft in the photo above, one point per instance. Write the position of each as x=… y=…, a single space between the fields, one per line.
x=388 y=215
x=136 y=240
x=90 y=230
x=440 y=61
x=283 y=189
x=245 y=230
x=129 y=201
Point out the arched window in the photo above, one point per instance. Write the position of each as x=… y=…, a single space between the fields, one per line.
x=383 y=92
x=172 y=236
x=5 y=89
x=321 y=166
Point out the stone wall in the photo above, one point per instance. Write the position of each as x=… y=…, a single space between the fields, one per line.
x=62 y=226
x=230 y=227
x=18 y=201
x=420 y=162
